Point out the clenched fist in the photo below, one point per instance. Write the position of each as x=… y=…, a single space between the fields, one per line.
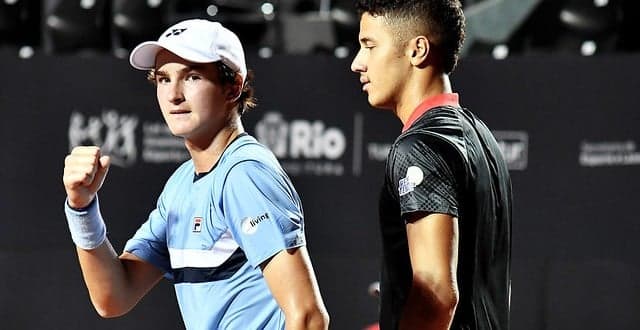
x=84 y=172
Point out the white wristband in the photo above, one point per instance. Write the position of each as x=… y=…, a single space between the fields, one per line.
x=86 y=225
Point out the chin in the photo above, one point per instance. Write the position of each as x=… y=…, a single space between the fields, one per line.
x=179 y=129
x=378 y=104
x=174 y=131
x=373 y=102
x=178 y=133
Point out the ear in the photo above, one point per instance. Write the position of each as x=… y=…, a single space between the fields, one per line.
x=419 y=48
x=235 y=90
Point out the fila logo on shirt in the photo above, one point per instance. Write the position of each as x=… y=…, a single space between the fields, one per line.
x=250 y=224
x=413 y=179
x=197 y=225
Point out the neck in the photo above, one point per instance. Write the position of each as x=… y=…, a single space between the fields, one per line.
x=420 y=89
x=206 y=155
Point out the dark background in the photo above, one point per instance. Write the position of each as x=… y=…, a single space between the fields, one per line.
x=575 y=261
x=556 y=80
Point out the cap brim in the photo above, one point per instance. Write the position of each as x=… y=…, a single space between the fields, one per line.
x=143 y=57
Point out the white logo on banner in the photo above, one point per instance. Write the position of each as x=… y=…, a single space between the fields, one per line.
x=273 y=131
x=515 y=148
x=378 y=151
x=114 y=133
x=596 y=154
x=160 y=146
x=304 y=146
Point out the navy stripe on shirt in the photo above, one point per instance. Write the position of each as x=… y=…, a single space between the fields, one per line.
x=210 y=274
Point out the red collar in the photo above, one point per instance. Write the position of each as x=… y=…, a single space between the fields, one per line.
x=450 y=99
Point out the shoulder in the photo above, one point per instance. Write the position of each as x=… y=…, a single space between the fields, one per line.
x=434 y=142
x=246 y=149
x=445 y=122
x=247 y=157
x=440 y=130
x=183 y=172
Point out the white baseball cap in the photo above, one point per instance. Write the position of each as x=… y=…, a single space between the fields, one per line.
x=195 y=40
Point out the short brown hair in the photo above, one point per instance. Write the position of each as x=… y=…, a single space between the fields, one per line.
x=246 y=101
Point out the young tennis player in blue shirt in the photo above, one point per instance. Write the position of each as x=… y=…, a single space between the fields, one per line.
x=228 y=228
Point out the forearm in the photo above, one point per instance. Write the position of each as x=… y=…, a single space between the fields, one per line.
x=293 y=284
x=103 y=272
x=115 y=283
x=429 y=307
x=433 y=248
x=315 y=319
x=106 y=279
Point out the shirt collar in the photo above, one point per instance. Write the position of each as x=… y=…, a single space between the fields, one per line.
x=444 y=99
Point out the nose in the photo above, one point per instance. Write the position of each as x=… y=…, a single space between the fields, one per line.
x=357 y=65
x=175 y=93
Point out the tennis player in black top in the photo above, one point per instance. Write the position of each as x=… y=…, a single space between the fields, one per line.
x=445 y=208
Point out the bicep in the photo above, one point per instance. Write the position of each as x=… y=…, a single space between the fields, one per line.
x=433 y=245
x=432 y=300
x=291 y=279
x=141 y=275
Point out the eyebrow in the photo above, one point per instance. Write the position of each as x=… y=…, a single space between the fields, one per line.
x=364 y=40
x=188 y=68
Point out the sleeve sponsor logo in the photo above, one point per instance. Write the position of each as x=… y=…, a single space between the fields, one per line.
x=413 y=179
x=249 y=225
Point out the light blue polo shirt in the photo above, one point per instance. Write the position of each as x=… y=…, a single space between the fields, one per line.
x=211 y=233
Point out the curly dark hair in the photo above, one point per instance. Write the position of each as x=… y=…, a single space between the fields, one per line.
x=441 y=21
x=227 y=76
